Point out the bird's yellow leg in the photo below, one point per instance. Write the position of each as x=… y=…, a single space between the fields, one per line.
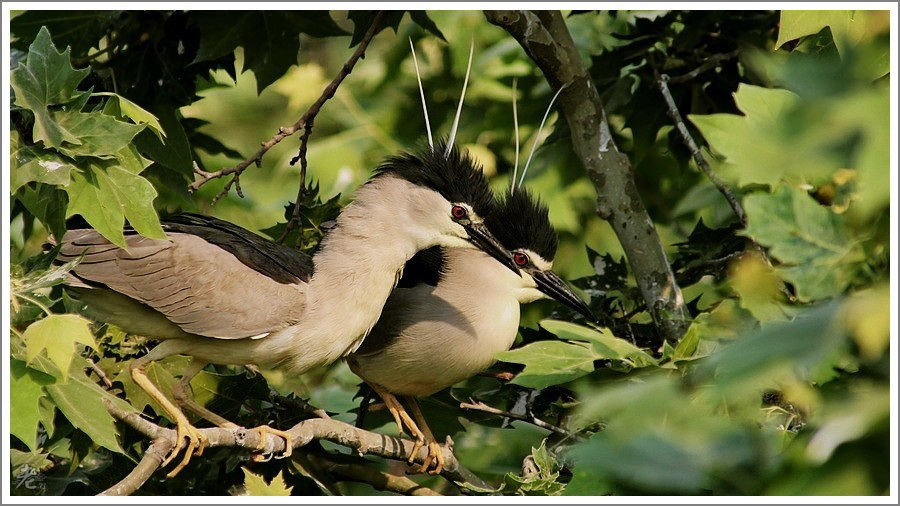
x=182 y=393
x=196 y=441
x=435 y=450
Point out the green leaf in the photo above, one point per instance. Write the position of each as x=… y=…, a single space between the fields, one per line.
x=271 y=40
x=58 y=333
x=848 y=28
x=753 y=143
x=25 y=392
x=81 y=401
x=134 y=112
x=421 y=18
x=605 y=345
x=108 y=192
x=31 y=163
x=47 y=78
x=550 y=363
x=99 y=134
x=808 y=238
x=48 y=204
x=538 y=476
x=255 y=485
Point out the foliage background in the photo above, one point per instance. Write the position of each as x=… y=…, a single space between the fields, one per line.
x=780 y=385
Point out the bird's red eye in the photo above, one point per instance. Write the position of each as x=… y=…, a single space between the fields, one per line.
x=459 y=212
x=520 y=259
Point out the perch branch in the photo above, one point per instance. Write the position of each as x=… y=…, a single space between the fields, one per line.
x=304 y=123
x=149 y=463
x=380 y=480
x=362 y=441
x=484 y=408
x=546 y=39
x=709 y=63
x=688 y=140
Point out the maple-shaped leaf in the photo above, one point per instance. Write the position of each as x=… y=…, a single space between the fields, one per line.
x=254 y=484
x=47 y=78
x=57 y=334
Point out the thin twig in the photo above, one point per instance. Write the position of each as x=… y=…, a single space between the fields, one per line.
x=100 y=373
x=362 y=441
x=310 y=117
x=709 y=63
x=672 y=109
x=304 y=123
x=379 y=480
x=480 y=406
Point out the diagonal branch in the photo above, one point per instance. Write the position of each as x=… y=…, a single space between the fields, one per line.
x=305 y=123
x=546 y=39
x=529 y=418
x=688 y=140
x=361 y=441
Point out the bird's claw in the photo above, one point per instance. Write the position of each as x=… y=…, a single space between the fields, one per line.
x=434 y=460
x=189 y=439
x=264 y=431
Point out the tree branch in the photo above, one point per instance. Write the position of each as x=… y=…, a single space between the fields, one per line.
x=546 y=39
x=688 y=140
x=305 y=123
x=149 y=463
x=380 y=480
x=484 y=408
x=362 y=441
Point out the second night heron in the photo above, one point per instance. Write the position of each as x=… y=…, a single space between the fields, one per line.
x=454 y=310
x=223 y=295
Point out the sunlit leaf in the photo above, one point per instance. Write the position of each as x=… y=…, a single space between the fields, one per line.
x=255 y=485
x=26 y=391
x=58 y=334
x=31 y=163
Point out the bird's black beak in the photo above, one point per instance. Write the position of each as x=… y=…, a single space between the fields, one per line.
x=480 y=236
x=551 y=284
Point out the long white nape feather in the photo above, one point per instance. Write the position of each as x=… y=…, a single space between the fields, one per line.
x=512 y=182
x=537 y=137
x=421 y=94
x=462 y=97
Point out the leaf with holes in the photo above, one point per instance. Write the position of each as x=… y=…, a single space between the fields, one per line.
x=812 y=242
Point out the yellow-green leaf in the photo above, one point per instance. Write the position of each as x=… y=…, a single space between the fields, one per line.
x=25 y=392
x=135 y=113
x=58 y=334
x=254 y=484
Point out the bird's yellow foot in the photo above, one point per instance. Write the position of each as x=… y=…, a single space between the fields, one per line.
x=434 y=461
x=264 y=431
x=189 y=439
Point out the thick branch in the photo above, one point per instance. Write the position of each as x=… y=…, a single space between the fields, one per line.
x=688 y=140
x=304 y=123
x=378 y=479
x=362 y=441
x=546 y=39
x=149 y=463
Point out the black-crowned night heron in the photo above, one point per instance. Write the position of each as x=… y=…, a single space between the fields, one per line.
x=453 y=310
x=223 y=295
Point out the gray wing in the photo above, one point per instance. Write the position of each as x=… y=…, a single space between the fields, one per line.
x=209 y=278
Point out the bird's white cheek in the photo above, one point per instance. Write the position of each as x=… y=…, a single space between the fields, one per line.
x=531 y=294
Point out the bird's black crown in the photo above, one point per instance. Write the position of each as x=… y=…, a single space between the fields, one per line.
x=456 y=176
x=522 y=221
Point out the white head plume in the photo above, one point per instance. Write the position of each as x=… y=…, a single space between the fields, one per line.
x=422 y=94
x=537 y=137
x=462 y=96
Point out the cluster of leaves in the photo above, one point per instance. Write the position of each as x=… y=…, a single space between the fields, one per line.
x=779 y=385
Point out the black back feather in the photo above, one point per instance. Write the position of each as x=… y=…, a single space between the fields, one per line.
x=522 y=221
x=456 y=177
x=281 y=263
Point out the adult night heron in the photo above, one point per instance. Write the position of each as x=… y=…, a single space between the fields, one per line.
x=223 y=295
x=452 y=312
x=454 y=309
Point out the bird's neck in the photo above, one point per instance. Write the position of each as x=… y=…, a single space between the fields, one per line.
x=359 y=262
